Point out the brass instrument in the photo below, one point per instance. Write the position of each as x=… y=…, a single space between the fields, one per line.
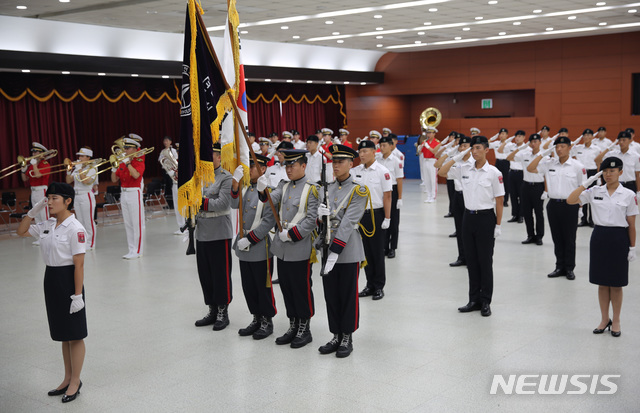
x=118 y=146
x=430 y=117
x=115 y=160
x=67 y=165
x=358 y=140
x=169 y=163
x=22 y=161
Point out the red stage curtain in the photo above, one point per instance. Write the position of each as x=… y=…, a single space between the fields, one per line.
x=304 y=117
x=264 y=118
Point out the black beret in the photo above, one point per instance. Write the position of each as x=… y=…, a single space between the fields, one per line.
x=294 y=132
x=479 y=139
x=366 y=144
x=464 y=139
x=503 y=130
x=251 y=134
x=312 y=138
x=272 y=134
x=393 y=136
x=63 y=189
x=534 y=136
x=624 y=134
x=602 y=128
x=318 y=131
x=630 y=130
x=587 y=132
x=611 y=162
x=565 y=130
x=386 y=139
x=520 y=132
x=562 y=139
x=284 y=145
x=545 y=127
x=453 y=133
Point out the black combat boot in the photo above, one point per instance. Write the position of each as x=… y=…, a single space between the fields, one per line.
x=303 y=336
x=208 y=319
x=265 y=330
x=290 y=334
x=222 y=318
x=346 y=346
x=331 y=346
x=251 y=328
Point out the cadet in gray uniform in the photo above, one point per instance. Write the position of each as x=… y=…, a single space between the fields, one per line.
x=298 y=203
x=344 y=207
x=252 y=250
x=213 y=246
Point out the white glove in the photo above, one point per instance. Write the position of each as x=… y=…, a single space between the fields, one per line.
x=497 y=231
x=77 y=304
x=331 y=261
x=494 y=137
x=244 y=244
x=591 y=180
x=24 y=170
x=580 y=213
x=323 y=211
x=577 y=141
x=238 y=174
x=34 y=161
x=114 y=170
x=399 y=204
x=547 y=151
x=510 y=138
x=450 y=144
x=284 y=236
x=37 y=208
x=385 y=223
x=544 y=195
x=614 y=143
x=263 y=182
x=522 y=146
x=71 y=170
x=457 y=158
x=320 y=149
x=630 y=257
x=171 y=174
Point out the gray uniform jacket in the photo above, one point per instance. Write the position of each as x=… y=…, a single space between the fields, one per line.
x=259 y=236
x=299 y=248
x=215 y=223
x=347 y=203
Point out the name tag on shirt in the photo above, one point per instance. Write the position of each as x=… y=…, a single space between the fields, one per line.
x=599 y=198
x=552 y=170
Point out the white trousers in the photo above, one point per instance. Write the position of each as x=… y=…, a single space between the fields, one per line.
x=179 y=218
x=37 y=194
x=85 y=206
x=133 y=214
x=430 y=177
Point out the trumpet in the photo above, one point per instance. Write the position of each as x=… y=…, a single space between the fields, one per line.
x=67 y=165
x=22 y=161
x=358 y=140
x=115 y=160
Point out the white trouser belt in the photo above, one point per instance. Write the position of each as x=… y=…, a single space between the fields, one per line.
x=213 y=214
x=81 y=192
x=129 y=189
x=37 y=188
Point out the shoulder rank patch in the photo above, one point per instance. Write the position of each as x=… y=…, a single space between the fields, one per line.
x=584 y=171
x=81 y=237
x=500 y=178
x=387 y=177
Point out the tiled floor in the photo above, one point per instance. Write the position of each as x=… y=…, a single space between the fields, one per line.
x=413 y=352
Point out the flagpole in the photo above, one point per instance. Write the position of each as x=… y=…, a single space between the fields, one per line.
x=237 y=115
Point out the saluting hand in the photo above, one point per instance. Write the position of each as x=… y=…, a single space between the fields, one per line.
x=614 y=143
x=591 y=180
x=77 y=304
x=457 y=158
x=39 y=206
x=547 y=151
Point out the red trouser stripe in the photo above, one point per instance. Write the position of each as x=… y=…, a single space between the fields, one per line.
x=226 y=258
x=355 y=323
x=309 y=289
x=93 y=229
x=139 y=220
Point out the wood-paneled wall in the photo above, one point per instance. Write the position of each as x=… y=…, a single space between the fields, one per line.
x=576 y=82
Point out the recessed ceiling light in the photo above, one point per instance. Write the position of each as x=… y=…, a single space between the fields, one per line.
x=340 y=41
x=329 y=22
x=571 y=17
x=466 y=29
x=244 y=32
x=284 y=27
x=267 y=80
x=379 y=28
x=427 y=23
x=378 y=45
x=420 y=33
x=336 y=33
x=458 y=38
x=377 y=16
x=102 y=74
x=289 y=81
x=309 y=81
x=493 y=2
x=549 y=29
x=517 y=23
x=379 y=37
x=296 y=37
x=26 y=70
x=63 y=1
x=633 y=11
x=502 y=33
x=328 y=82
x=363 y=83
x=418 y=42
x=479 y=18
x=21 y=7
x=601 y=3
x=167 y=77
x=64 y=72
x=134 y=75
x=602 y=23
x=346 y=83
x=537 y=11
x=433 y=10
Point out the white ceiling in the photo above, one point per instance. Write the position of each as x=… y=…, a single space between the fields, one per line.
x=402 y=25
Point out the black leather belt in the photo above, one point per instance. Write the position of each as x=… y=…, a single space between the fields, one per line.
x=557 y=200
x=480 y=211
x=533 y=183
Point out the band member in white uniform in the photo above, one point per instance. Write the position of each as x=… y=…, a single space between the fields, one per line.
x=296 y=141
x=84 y=177
x=169 y=160
x=37 y=174
x=129 y=174
x=613 y=240
x=428 y=161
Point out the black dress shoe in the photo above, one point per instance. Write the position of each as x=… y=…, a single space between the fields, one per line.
x=485 y=311
x=58 y=392
x=529 y=240
x=453 y=235
x=331 y=346
x=513 y=219
x=538 y=241
x=449 y=215
x=457 y=263
x=571 y=275
x=520 y=220
x=391 y=254
x=378 y=295
x=556 y=273
x=602 y=330
x=471 y=306
x=366 y=291
x=71 y=397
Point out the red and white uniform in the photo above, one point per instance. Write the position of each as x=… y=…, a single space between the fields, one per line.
x=329 y=167
x=85 y=201
x=428 y=169
x=39 y=188
x=132 y=205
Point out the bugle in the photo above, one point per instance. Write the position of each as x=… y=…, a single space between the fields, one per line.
x=115 y=160
x=22 y=161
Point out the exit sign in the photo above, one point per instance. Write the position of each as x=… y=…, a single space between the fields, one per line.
x=487 y=103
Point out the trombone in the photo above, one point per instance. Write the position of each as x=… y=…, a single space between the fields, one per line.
x=22 y=161
x=115 y=160
x=67 y=165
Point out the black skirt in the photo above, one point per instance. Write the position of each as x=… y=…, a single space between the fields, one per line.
x=59 y=286
x=608 y=250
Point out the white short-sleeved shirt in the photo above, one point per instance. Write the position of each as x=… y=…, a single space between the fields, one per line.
x=586 y=155
x=314 y=166
x=275 y=174
x=480 y=187
x=59 y=245
x=393 y=164
x=508 y=148
x=377 y=178
x=398 y=153
x=299 y=145
x=602 y=143
x=562 y=178
x=630 y=161
x=495 y=145
x=456 y=182
x=525 y=157
x=82 y=187
x=451 y=152
x=610 y=210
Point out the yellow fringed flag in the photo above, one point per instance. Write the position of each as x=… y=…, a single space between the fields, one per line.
x=203 y=86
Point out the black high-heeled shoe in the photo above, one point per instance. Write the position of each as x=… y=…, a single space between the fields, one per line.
x=616 y=333
x=602 y=330
x=71 y=397
x=58 y=392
